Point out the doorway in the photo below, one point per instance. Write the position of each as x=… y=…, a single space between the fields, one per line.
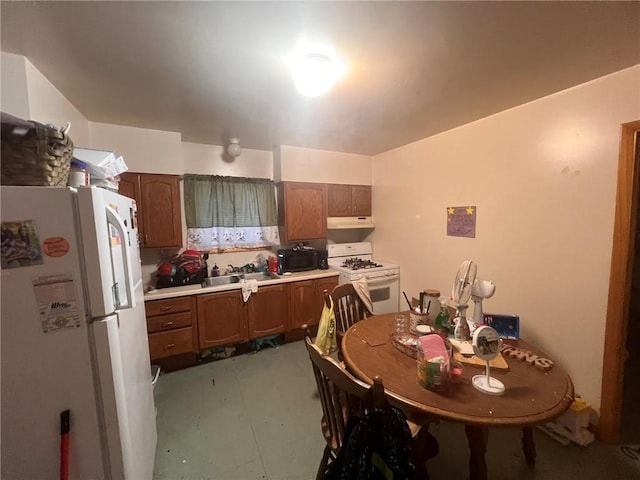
x=621 y=361
x=630 y=419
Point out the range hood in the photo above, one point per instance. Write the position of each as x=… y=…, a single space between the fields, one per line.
x=338 y=223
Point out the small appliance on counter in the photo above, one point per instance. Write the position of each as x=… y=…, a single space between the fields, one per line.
x=298 y=258
x=323 y=260
x=188 y=268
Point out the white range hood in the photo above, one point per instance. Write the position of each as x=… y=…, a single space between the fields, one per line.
x=338 y=223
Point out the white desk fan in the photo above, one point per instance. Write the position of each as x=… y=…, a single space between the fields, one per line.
x=461 y=292
x=480 y=290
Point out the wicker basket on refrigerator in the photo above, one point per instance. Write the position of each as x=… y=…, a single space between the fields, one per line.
x=33 y=153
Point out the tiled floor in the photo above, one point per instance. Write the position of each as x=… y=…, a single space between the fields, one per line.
x=257 y=417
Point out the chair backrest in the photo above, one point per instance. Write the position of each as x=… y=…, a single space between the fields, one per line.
x=341 y=394
x=348 y=307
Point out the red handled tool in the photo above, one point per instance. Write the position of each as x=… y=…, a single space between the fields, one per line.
x=64 y=445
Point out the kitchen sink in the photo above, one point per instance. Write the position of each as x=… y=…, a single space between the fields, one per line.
x=235 y=278
x=259 y=276
x=222 y=280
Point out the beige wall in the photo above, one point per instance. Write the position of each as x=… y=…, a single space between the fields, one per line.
x=543 y=178
x=143 y=150
x=14 y=97
x=209 y=160
x=295 y=164
x=27 y=94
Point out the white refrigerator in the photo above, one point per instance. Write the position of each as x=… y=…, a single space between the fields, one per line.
x=73 y=336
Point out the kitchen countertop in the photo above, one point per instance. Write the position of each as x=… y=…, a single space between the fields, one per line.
x=185 y=290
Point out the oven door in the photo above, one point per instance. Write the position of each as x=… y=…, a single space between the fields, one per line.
x=384 y=292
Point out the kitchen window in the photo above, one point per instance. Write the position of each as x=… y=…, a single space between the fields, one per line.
x=230 y=212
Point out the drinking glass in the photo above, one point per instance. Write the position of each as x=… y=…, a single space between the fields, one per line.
x=402 y=330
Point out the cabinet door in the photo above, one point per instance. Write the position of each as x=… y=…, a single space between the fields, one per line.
x=305 y=211
x=161 y=217
x=361 y=200
x=222 y=319
x=339 y=200
x=172 y=342
x=268 y=311
x=322 y=284
x=302 y=304
x=129 y=186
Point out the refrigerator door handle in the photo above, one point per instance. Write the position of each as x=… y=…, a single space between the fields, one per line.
x=118 y=223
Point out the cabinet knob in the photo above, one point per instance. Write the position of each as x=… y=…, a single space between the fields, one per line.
x=169 y=346
x=167 y=324
x=166 y=309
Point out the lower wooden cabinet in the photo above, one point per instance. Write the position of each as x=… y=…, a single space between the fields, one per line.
x=268 y=311
x=170 y=327
x=199 y=322
x=305 y=300
x=222 y=319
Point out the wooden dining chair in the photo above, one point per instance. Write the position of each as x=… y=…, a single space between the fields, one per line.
x=342 y=396
x=348 y=306
x=348 y=309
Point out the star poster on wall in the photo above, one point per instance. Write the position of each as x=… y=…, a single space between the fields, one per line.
x=461 y=222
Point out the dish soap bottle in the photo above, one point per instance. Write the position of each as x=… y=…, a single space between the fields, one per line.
x=215 y=271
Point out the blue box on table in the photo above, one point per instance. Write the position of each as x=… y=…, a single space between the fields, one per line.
x=507 y=326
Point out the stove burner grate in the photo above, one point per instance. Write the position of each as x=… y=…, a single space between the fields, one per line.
x=356 y=263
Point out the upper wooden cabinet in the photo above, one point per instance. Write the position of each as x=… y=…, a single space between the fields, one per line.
x=349 y=200
x=302 y=211
x=158 y=200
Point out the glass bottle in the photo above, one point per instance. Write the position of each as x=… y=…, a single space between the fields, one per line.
x=462 y=332
x=402 y=330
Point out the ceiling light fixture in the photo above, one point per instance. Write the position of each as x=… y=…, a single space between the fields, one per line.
x=315 y=68
x=234 y=149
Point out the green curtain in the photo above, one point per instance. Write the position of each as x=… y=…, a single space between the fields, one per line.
x=217 y=201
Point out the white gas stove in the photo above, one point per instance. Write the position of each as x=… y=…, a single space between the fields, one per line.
x=355 y=261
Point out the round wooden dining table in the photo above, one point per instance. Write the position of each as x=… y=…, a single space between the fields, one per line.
x=531 y=396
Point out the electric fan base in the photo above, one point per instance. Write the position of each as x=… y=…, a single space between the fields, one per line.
x=492 y=387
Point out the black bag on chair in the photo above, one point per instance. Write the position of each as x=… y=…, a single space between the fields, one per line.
x=377 y=446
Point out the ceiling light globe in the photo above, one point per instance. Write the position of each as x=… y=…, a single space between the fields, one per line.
x=234 y=149
x=315 y=68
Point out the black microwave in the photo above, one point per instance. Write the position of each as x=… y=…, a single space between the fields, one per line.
x=297 y=259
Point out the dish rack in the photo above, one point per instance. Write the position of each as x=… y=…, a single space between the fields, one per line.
x=182 y=277
x=407 y=344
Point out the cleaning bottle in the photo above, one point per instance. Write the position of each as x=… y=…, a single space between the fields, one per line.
x=442 y=323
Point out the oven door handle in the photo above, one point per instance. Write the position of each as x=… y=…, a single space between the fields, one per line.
x=380 y=280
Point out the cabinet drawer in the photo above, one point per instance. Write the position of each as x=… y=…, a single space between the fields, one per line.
x=169 y=343
x=168 y=322
x=170 y=305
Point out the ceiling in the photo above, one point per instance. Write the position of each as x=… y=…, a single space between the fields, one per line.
x=211 y=70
